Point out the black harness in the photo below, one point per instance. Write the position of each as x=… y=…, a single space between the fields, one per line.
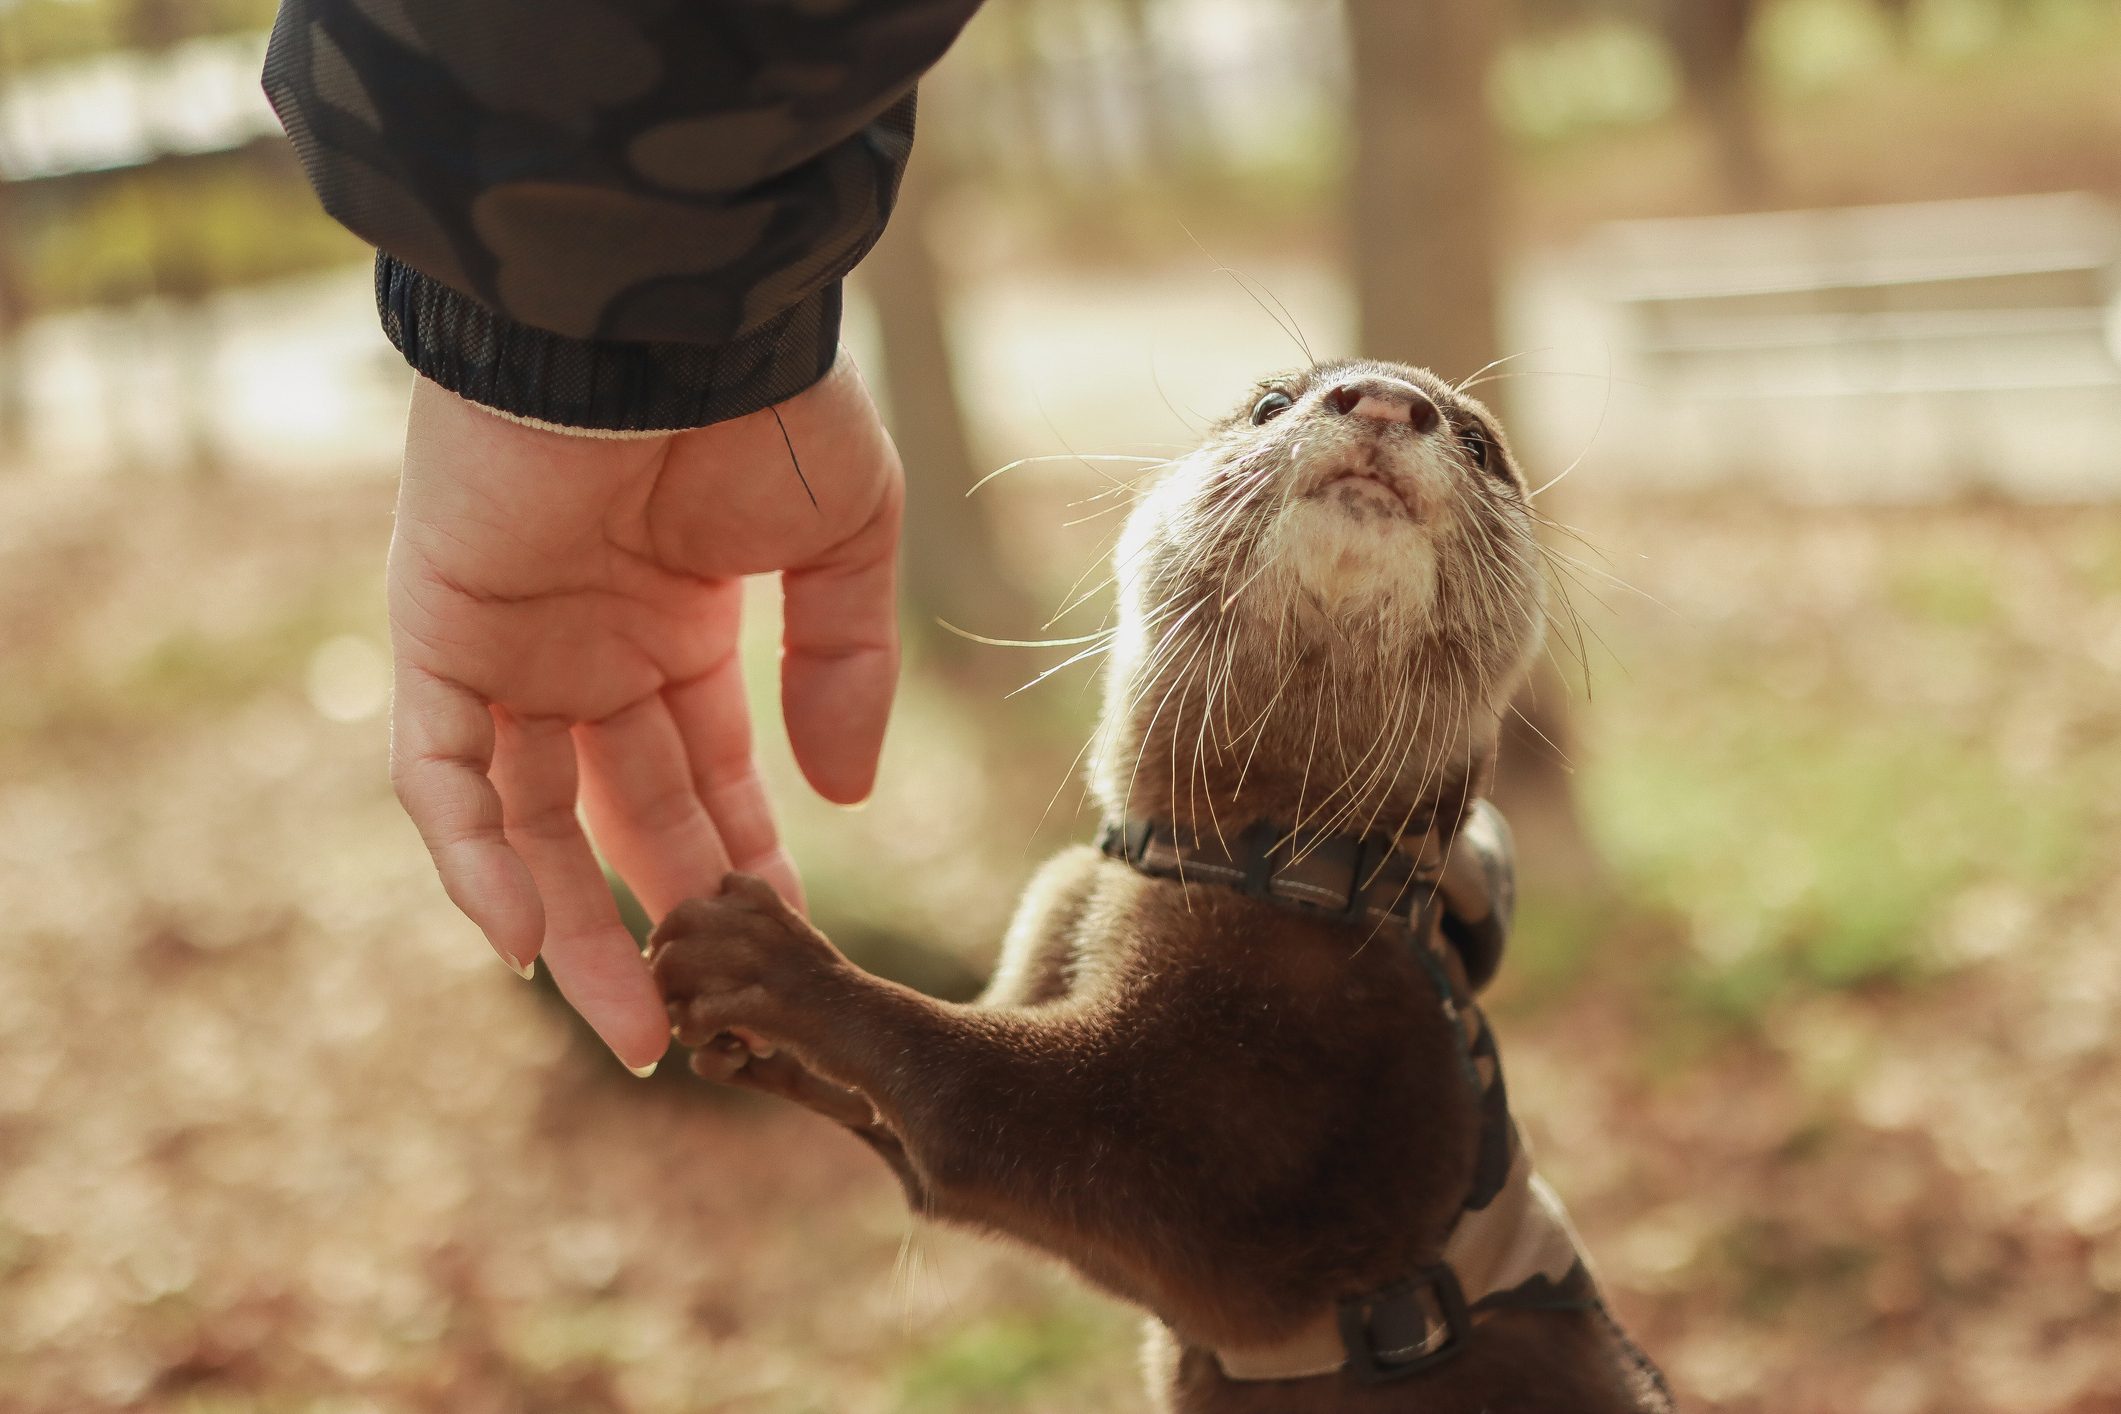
x=1450 y=900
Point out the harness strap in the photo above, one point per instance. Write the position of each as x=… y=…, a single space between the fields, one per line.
x=1512 y=1247
x=1366 y=878
x=1518 y=1254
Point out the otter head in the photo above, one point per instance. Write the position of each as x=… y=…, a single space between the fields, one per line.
x=1323 y=610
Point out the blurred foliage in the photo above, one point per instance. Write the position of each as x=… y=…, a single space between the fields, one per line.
x=1829 y=849
x=997 y=1360
x=1606 y=72
x=182 y=230
x=1843 y=824
x=1580 y=71
x=36 y=33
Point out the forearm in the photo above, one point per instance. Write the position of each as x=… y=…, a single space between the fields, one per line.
x=606 y=213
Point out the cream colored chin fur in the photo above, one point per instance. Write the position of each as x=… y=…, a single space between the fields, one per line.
x=1370 y=559
x=1355 y=564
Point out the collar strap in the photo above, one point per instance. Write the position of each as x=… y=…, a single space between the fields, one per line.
x=1464 y=879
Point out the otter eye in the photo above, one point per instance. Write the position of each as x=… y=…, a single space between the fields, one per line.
x=1271 y=406
x=1475 y=440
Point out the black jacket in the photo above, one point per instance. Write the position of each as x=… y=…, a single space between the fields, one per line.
x=627 y=214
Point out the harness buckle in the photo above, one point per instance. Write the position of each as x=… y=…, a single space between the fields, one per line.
x=1370 y=851
x=1259 y=840
x=1111 y=839
x=1138 y=836
x=1412 y=1325
x=1126 y=840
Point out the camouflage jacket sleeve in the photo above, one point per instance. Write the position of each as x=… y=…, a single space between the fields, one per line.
x=624 y=214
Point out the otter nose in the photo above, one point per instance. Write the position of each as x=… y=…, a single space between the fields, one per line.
x=1387 y=400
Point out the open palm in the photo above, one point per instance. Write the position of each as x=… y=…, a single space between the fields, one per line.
x=564 y=614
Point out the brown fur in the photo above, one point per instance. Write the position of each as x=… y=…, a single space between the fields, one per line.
x=1228 y=1113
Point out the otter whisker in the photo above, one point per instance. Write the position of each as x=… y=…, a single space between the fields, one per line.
x=1604 y=406
x=1290 y=328
x=1613 y=579
x=1472 y=380
x=949 y=627
x=1551 y=745
x=1086 y=458
x=1552 y=373
x=1561 y=527
x=1258 y=727
x=1075 y=601
x=1260 y=734
x=1103 y=646
x=1149 y=731
x=1395 y=759
x=1094 y=515
x=1578 y=628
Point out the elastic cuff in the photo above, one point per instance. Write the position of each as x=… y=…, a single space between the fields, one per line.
x=606 y=385
x=608 y=434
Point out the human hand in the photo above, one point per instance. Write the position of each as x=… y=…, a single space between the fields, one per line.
x=564 y=614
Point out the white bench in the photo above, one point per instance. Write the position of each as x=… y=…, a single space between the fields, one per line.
x=1884 y=352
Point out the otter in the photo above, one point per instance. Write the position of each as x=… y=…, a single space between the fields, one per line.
x=1230 y=1066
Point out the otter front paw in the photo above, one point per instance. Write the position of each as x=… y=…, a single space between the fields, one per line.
x=744 y=964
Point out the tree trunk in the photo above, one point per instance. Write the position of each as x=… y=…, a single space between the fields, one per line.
x=1170 y=112
x=952 y=568
x=14 y=399
x=1017 y=90
x=1425 y=185
x=1424 y=207
x=185 y=329
x=1713 y=39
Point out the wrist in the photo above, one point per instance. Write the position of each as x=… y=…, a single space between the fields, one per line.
x=461 y=455
x=596 y=386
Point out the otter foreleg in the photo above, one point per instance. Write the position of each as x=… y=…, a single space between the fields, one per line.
x=973 y=1097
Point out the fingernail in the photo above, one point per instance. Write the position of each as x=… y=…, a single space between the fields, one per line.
x=525 y=970
x=642 y=1072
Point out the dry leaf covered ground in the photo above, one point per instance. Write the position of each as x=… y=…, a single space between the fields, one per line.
x=1829 y=1072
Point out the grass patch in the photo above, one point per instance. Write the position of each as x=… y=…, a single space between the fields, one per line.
x=997 y=1362
x=1952 y=591
x=1809 y=847
x=187 y=673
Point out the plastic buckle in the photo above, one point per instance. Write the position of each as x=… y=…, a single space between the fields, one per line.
x=1259 y=840
x=1137 y=841
x=1127 y=841
x=1112 y=839
x=1360 y=1317
x=1424 y=903
x=1369 y=853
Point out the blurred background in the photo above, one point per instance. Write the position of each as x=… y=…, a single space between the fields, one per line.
x=1812 y=1012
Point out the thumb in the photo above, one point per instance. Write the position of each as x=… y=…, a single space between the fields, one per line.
x=840 y=657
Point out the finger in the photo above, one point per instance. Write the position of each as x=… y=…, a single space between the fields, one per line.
x=590 y=953
x=714 y=719
x=643 y=809
x=441 y=749
x=840 y=661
